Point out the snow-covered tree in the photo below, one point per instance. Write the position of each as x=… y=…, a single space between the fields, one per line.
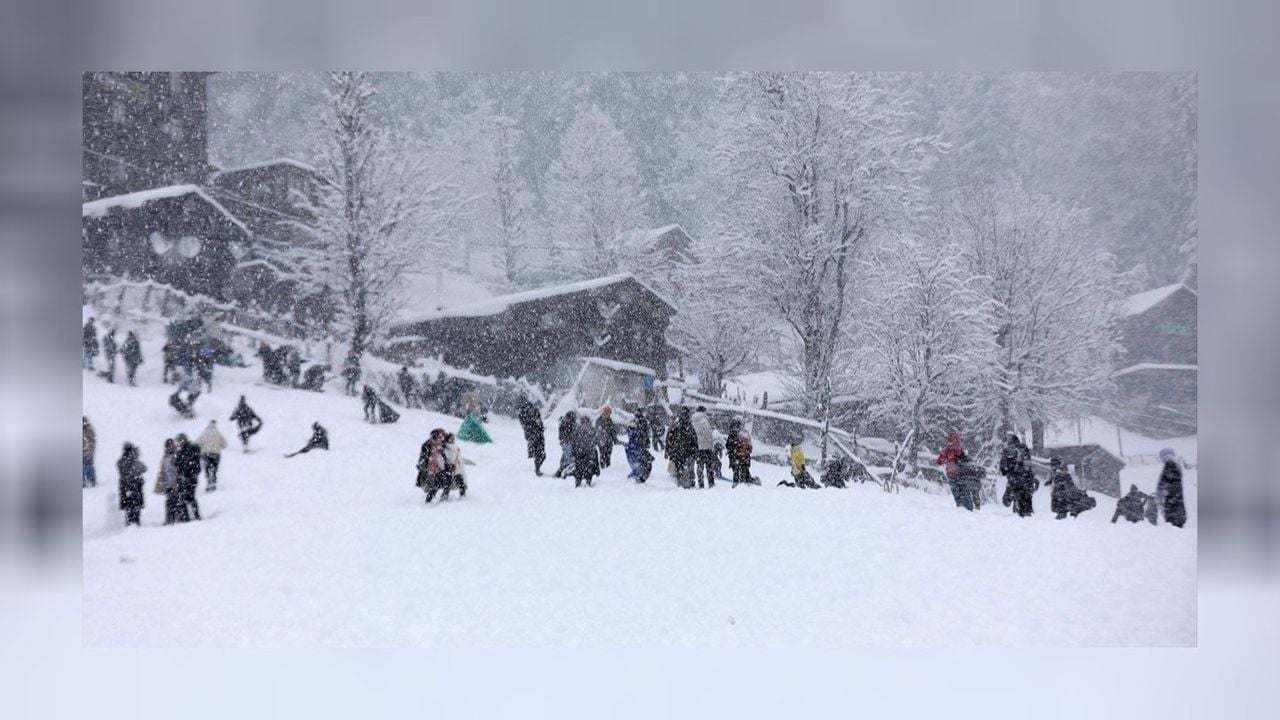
x=510 y=201
x=1056 y=300
x=379 y=216
x=924 y=339
x=816 y=163
x=594 y=195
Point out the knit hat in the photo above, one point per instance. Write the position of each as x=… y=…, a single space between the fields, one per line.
x=1168 y=454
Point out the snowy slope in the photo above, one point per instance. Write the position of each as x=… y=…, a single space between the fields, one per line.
x=338 y=548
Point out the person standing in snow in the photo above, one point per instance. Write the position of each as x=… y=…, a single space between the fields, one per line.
x=1169 y=490
x=169 y=355
x=408 y=388
x=951 y=455
x=606 y=436
x=167 y=480
x=370 y=399
x=109 y=350
x=426 y=470
x=211 y=445
x=738 y=447
x=657 y=424
x=454 y=462
x=586 y=457
x=351 y=372
x=88 y=444
x=534 y=433
x=705 y=457
x=1021 y=482
x=568 y=424
x=637 y=450
x=247 y=421
x=202 y=359
x=89 y=346
x=131 y=472
x=319 y=440
x=187 y=463
x=682 y=447
x=132 y=355
x=640 y=423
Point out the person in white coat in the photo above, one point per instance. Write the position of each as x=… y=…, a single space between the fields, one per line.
x=454 y=462
x=211 y=445
x=704 y=461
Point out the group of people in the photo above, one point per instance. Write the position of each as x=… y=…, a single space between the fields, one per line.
x=441 y=466
x=177 y=476
x=283 y=366
x=130 y=352
x=689 y=444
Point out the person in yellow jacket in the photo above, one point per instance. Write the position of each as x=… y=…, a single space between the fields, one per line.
x=800 y=476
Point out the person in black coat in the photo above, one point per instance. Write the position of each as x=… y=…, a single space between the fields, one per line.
x=248 y=422
x=132 y=354
x=738 y=447
x=132 y=497
x=1131 y=507
x=408 y=388
x=1021 y=484
x=1067 y=499
x=586 y=458
x=319 y=440
x=370 y=399
x=657 y=424
x=1169 y=490
x=682 y=446
x=187 y=463
x=606 y=436
x=568 y=424
x=534 y=433
x=89 y=347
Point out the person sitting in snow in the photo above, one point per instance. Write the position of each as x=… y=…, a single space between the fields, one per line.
x=1132 y=506
x=313 y=379
x=319 y=440
x=1067 y=499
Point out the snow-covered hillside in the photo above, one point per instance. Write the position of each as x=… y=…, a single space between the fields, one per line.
x=338 y=548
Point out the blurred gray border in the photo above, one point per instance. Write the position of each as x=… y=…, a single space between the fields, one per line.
x=44 y=45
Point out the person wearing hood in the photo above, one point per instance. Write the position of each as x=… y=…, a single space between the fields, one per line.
x=799 y=474
x=247 y=421
x=1169 y=490
x=586 y=457
x=568 y=423
x=534 y=433
x=606 y=435
x=211 y=445
x=1021 y=483
x=132 y=498
x=705 y=463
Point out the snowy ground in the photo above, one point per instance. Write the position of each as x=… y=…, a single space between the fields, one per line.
x=338 y=548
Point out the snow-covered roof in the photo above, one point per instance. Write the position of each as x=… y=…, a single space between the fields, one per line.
x=1144 y=301
x=128 y=201
x=266 y=163
x=619 y=365
x=502 y=303
x=1153 y=366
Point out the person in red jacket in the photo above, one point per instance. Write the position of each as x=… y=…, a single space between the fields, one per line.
x=952 y=453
